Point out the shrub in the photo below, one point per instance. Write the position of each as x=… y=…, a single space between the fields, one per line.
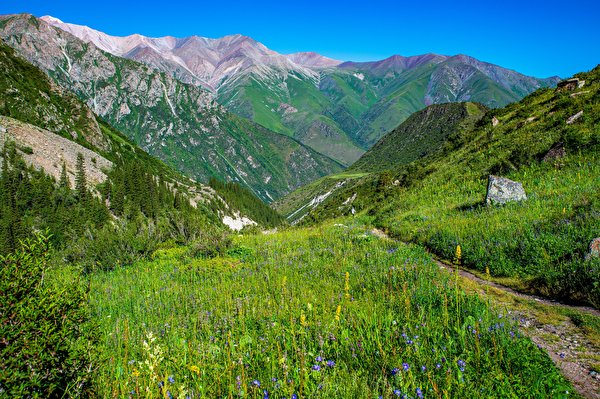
x=46 y=339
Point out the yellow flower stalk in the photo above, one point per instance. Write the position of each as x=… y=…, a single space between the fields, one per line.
x=457 y=255
x=347 y=286
x=303 y=320
x=338 y=312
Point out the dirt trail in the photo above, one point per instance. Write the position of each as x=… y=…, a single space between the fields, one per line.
x=546 y=323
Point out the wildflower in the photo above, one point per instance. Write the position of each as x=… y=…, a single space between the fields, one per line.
x=423 y=368
x=169 y=395
x=395 y=370
x=562 y=355
x=135 y=373
x=419 y=393
x=397 y=392
x=330 y=363
x=405 y=366
x=294 y=396
x=195 y=369
x=461 y=364
x=338 y=312
x=457 y=255
x=438 y=366
x=161 y=384
x=171 y=379
x=319 y=359
x=316 y=367
x=266 y=394
x=303 y=320
x=256 y=383
x=274 y=379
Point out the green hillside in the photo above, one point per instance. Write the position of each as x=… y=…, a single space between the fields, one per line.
x=423 y=133
x=537 y=245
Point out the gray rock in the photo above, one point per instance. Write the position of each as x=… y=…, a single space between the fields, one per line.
x=502 y=190
x=570 y=84
x=594 y=249
x=495 y=121
x=573 y=118
x=2 y=129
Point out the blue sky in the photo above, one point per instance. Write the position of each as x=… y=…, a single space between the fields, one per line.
x=540 y=38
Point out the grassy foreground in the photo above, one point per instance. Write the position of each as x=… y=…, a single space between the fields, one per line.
x=330 y=312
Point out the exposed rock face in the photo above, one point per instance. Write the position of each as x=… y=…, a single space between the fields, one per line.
x=594 y=250
x=50 y=151
x=495 y=122
x=557 y=151
x=502 y=190
x=570 y=84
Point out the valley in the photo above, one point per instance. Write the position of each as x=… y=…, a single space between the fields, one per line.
x=187 y=217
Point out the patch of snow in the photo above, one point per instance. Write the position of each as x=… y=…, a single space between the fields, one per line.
x=359 y=76
x=237 y=222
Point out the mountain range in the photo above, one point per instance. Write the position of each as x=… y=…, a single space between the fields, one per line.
x=338 y=108
x=233 y=109
x=177 y=122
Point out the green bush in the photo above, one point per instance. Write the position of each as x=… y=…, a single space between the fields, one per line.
x=46 y=338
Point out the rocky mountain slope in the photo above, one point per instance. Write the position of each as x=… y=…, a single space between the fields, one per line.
x=338 y=109
x=179 y=123
x=51 y=127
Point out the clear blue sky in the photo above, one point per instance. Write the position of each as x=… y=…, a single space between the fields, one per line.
x=540 y=38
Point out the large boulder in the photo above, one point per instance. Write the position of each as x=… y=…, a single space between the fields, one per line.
x=501 y=190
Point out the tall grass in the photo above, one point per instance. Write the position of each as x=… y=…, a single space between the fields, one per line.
x=329 y=312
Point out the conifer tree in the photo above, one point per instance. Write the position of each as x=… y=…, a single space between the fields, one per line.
x=81 y=179
x=64 y=178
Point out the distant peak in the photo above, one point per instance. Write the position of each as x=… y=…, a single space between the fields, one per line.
x=51 y=20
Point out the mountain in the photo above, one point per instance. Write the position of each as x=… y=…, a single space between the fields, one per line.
x=338 y=109
x=425 y=182
x=51 y=126
x=177 y=122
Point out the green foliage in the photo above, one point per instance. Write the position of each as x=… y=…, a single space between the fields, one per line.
x=276 y=308
x=47 y=340
x=240 y=198
x=439 y=201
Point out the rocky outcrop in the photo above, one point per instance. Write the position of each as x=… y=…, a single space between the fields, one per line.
x=570 y=84
x=501 y=190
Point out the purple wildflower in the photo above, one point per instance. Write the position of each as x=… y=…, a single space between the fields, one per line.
x=316 y=367
x=419 y=393
x=319 y=359
x=461 y=364
x=256 y=383
x=330 y=363
x=405 y=366
x=395 y=370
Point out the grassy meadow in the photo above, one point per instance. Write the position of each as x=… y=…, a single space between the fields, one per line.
x=327 y=312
